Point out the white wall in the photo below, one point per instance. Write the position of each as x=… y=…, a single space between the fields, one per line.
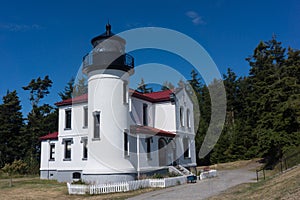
x=165 y=116
x=137 y=111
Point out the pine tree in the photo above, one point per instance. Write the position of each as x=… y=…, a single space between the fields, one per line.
x=40 y=120
x=167 y=86
x=80 y=87
x=143 y=87
x=67 y=93
x=11 y=122
x=272 y=85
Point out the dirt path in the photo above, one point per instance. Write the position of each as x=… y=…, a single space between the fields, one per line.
x=205 y=188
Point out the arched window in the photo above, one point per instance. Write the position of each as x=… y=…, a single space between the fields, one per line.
x=181 y=116
x=188 y=122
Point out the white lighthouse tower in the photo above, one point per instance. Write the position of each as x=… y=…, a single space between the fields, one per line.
x=108 y=68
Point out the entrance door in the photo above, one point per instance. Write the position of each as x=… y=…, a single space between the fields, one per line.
x=162 y=150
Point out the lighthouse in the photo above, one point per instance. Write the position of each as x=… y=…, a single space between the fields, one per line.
x=108 y=69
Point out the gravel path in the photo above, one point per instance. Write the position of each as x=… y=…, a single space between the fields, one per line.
x=203 y=189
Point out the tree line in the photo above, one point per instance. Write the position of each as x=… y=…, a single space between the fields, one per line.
x=262 y=117
x=263 y=109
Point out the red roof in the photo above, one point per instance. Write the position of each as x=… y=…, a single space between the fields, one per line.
x=150 y=131
x=153 y=97
x=79 y=99
x=50 y=136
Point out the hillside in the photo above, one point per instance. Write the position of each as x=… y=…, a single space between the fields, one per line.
x=283 y=186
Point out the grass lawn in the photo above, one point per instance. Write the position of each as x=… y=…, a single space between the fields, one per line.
x=34 y=188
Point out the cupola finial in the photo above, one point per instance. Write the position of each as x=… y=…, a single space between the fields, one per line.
x=108 y=28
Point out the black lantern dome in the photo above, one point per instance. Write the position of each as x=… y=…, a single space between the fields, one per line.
x=108 y=53
x=107 y=34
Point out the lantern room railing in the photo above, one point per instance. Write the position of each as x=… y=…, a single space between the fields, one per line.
x=108 y=60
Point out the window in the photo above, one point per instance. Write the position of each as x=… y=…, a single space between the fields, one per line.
x=186 y=147
x=126 y=144
x=68 y=114
x=188 y=122
x=76 y=175
x=145 y=114
x=84 y=148
x=149 y=140
x=181 y=116
x=130 y=105
x=67 y=148
x=52 y=152
x=125 y=92
x=96 y=125
x=85 y=117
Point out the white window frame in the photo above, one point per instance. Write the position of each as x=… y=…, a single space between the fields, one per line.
x=66 y=119
x=96 y=135
x=85 y=117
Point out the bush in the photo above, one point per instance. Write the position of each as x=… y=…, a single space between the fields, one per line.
x=157 y=176
x=17 y=167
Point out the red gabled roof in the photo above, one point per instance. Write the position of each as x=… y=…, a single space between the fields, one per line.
x=50 y=136
x=79 y=99
x=153 y=97
x=150 y=131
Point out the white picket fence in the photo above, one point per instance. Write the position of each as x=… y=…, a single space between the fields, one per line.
x=125 y=186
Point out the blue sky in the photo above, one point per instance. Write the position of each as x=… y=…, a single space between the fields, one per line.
x=39 y=38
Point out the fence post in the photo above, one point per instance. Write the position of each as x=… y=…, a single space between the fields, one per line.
x=285 y=164
x=257 y=175
x=264 y=174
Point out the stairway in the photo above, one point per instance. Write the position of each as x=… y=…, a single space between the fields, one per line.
x=180 y=170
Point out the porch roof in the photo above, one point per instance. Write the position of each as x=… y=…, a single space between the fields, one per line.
x=50 y=136
x=134 y=129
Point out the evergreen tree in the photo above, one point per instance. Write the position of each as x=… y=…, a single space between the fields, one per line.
x=38 y=88
x=11 y=122
x=40 y=120
x=272 y=86
x=143 y=87
x=80 y=87
x=167 y=86
x=67 y=93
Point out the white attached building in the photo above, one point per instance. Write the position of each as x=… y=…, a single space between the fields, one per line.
x=113 y=133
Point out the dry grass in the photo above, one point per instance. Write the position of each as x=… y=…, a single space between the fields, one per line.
x=234 y=165
x=34 y=188
x=284 y=186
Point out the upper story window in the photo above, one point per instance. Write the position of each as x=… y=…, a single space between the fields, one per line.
x=145 y=114
x=85 y=117
x=188 y=119
x=84 y=148
x=126 y=143
x=125 y=92
x=96 y=115
x=52 y=152
x=181 y=117
x=186 y=148
x=67 y=149
x=68 y=118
